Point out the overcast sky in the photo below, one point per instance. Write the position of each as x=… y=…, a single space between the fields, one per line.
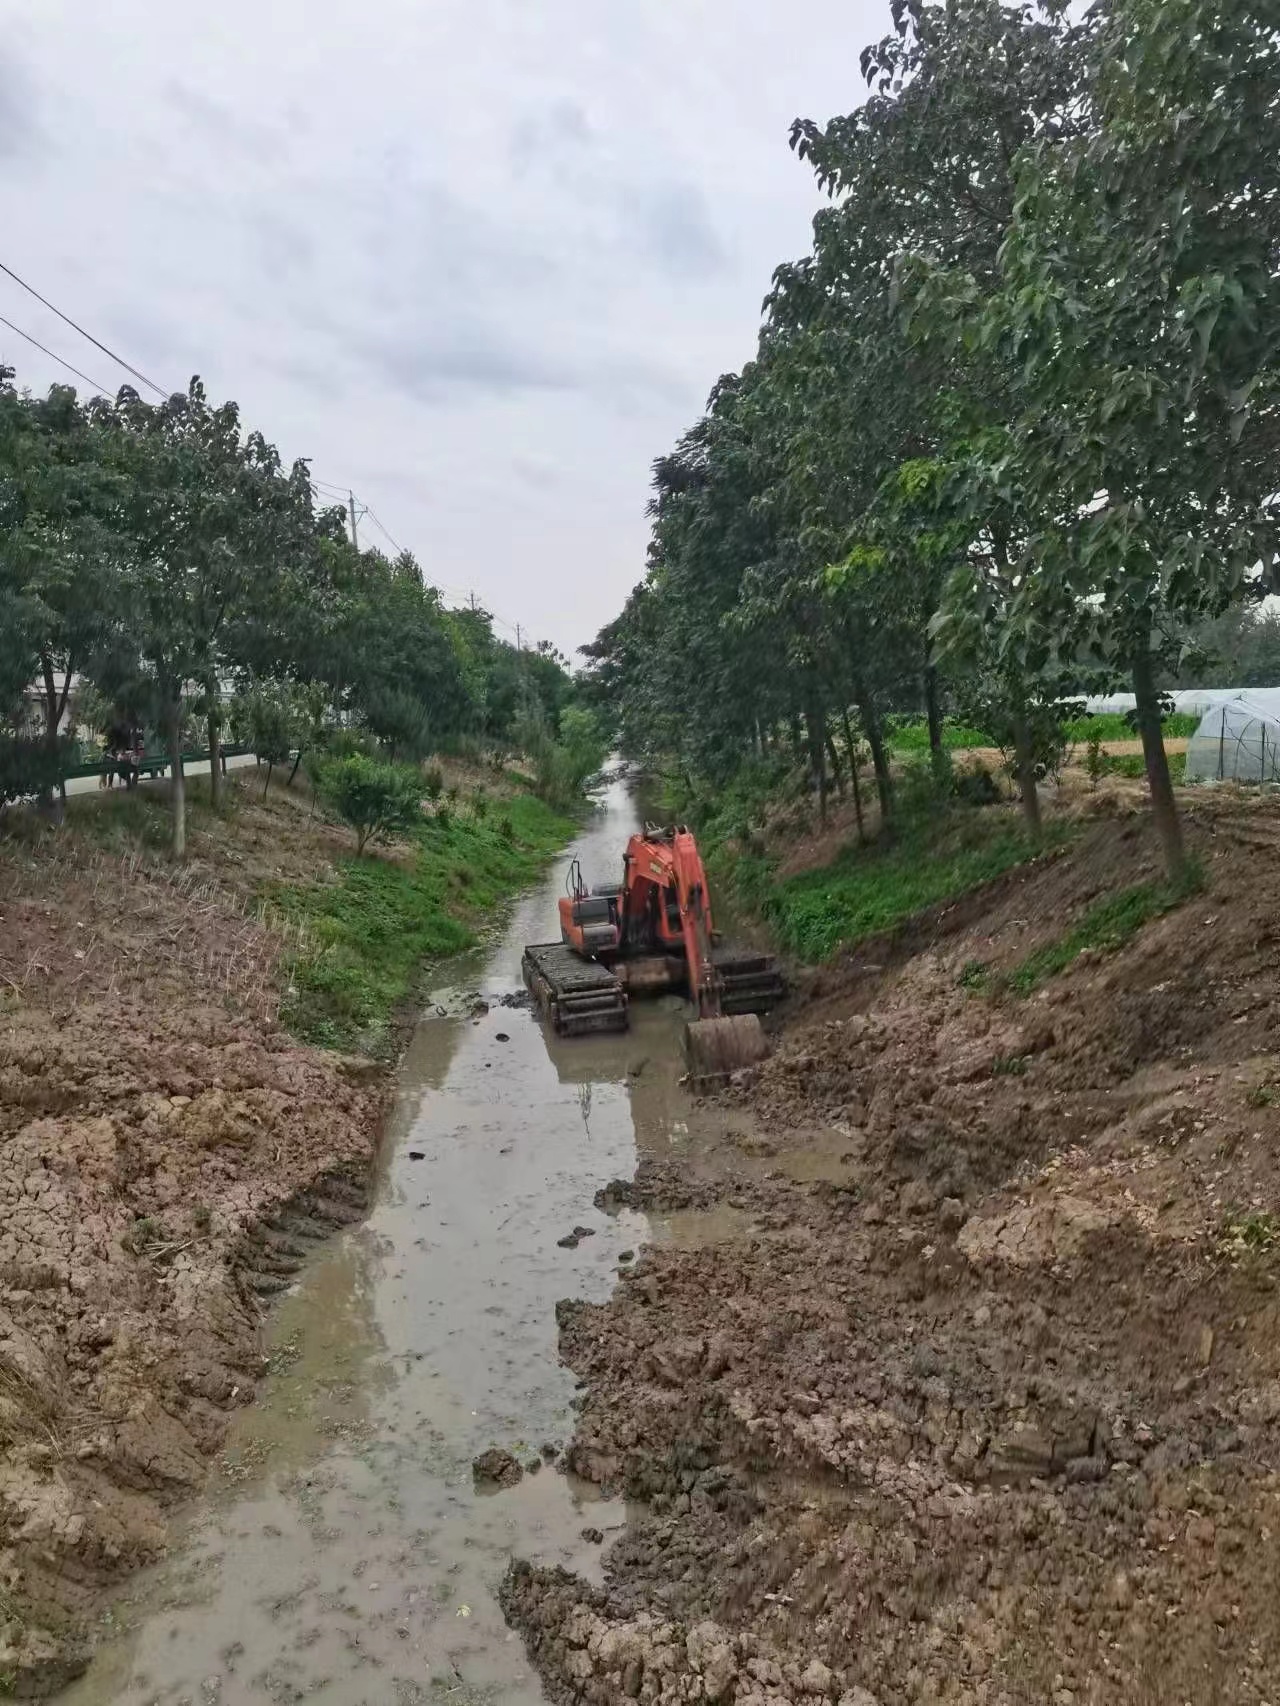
x=481 y=260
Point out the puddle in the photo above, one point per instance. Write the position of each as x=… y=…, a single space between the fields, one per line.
x=343 y=1554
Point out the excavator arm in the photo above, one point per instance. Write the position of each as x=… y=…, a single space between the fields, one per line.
x=658 y=874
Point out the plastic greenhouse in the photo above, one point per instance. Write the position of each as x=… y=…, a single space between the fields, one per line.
x=1237 y=741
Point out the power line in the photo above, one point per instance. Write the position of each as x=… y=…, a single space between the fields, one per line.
x=52 y=357
x=374 y=519
x=128 y=367
x=469 y=600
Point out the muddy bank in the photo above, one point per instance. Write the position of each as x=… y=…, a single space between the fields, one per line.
x=988 y=1411
x=168 y=1156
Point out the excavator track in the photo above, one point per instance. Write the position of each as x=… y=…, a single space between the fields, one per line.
x=750 y=982
x=578 y=996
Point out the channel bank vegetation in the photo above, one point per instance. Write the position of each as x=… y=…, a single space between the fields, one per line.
x=1011 y=435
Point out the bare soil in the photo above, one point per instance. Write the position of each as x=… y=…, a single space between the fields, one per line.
x=167 y=1156
x=986 y=1407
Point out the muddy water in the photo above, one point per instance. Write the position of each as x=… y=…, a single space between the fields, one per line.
x=343 y=1554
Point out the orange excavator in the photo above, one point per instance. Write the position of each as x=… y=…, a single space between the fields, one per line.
x=654 y=932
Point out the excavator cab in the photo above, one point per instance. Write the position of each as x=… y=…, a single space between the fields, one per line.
x=589 y=921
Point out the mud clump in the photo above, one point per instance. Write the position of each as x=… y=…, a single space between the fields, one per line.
x=992 y=1414
x=167 y=1156
x=497 y=1468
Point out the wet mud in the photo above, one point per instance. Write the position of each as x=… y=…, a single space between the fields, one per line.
x=347 y=1551
x=984 y=1406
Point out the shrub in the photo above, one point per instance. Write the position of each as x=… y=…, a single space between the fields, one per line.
x=31 y=767
x=1095 y=759
x=377 y=800
x=433 y=782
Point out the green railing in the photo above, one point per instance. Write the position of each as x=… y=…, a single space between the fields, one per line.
x=152 y=763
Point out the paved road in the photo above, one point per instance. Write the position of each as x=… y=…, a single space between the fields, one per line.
x=90 y=784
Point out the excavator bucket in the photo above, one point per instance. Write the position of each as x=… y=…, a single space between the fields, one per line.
x=716 y=1048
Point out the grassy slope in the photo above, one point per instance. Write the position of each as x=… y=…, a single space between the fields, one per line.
x=869 y=890
x=368 y=933
x=1108 y=925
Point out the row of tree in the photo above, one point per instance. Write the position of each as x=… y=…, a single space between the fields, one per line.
x=1012 y=430
x=154 y=554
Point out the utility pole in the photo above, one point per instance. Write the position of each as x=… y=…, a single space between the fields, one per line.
x=355 y=537
x=519 y=646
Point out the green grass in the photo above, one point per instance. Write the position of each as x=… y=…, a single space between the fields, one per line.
x=1134 y=766
x=1255 y=1234
x=913 y=737
x=369 y=933
x=1115 y=725
x=1108 y=925
x=871 y=890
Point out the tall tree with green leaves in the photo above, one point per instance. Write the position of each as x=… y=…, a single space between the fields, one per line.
x=210 y=516
x=62 y=556
x=1138 y=302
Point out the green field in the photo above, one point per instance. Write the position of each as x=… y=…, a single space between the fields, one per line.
x=912 y=738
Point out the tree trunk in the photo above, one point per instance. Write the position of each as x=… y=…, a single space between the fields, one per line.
x=815 y=722
x=933 y=711
x=1024 y=768
x=879 y=757
x=297 y=760
x=215 y=743
x=178 y=785
x=54 y=805
x=851 y=753
x=833 y=753
x=271 y=764
x=1164 y=807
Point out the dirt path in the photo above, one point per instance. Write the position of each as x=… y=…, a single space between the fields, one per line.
x=347 y=1555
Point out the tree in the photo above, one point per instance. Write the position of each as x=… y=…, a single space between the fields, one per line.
x=1137 y=300
x=377 y=800
x=60 y=563
x=209 y=517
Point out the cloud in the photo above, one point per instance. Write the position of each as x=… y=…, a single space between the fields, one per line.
x=553 y=135
x=21 y=132
x=676 y=231
x=475 y=358
x=221 y=122
x=283 y=247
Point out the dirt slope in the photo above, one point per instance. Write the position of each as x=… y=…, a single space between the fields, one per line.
x=166 y=1156
x=988 y=1413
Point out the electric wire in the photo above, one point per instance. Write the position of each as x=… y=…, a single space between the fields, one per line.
x=55 y=357
x=96 y=342
x=462 y=598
